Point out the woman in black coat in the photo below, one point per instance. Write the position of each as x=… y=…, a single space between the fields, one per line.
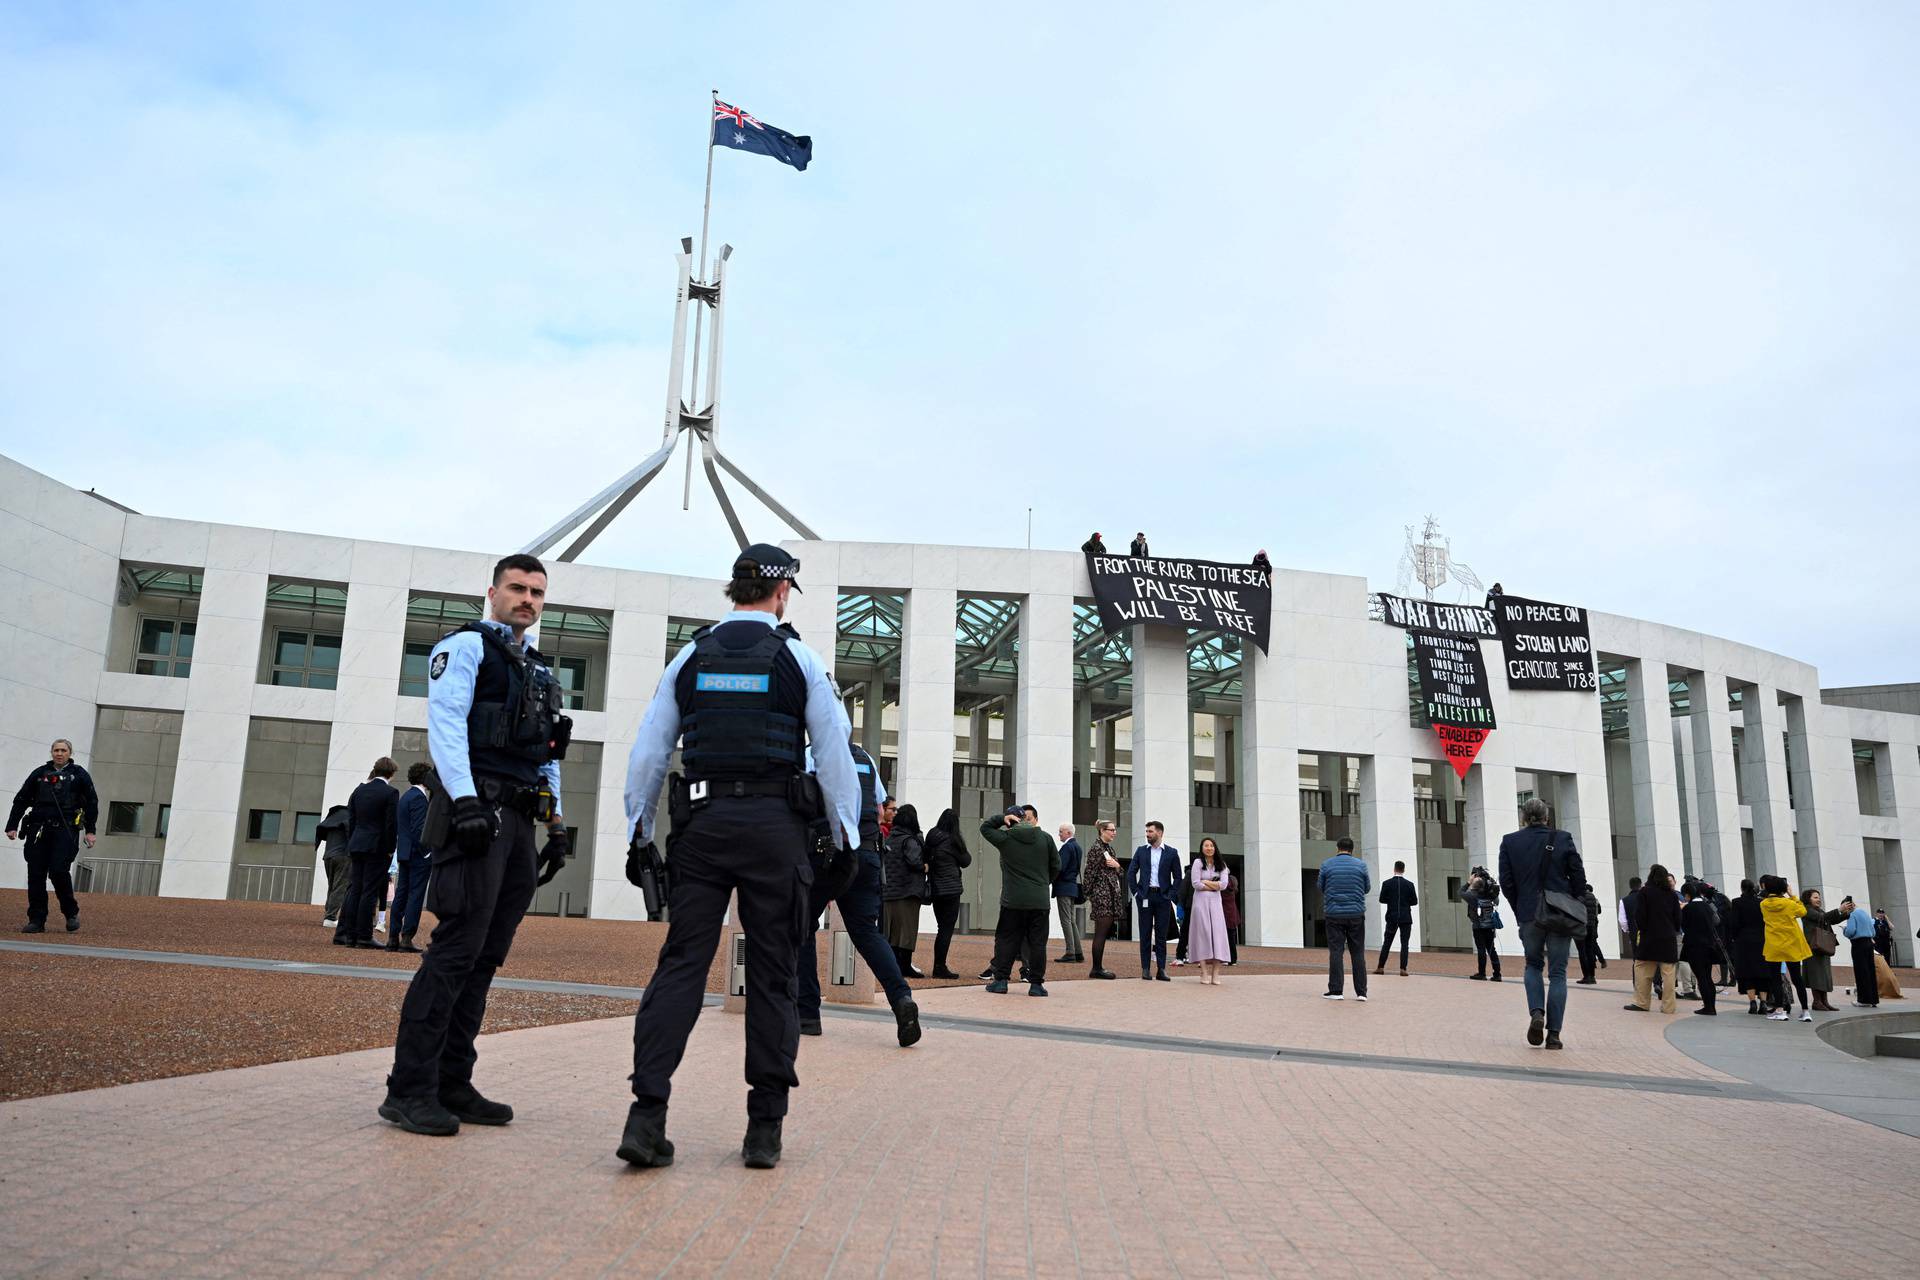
x=1747 y=930
x=947 y=856
x=1700 y=943
x=1655 y=916
x=903 y=873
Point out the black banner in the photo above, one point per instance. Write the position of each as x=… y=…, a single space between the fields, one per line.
x=1202 y=594
x=1431 y=615
x=1547 y=645
x=1454 y=693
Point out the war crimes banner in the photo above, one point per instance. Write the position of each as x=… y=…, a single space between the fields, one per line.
x=1454 y=693
x=1430 y=615
x=1236 y=598
x=1547 y=645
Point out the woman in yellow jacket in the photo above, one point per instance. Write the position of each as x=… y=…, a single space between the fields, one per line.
x=1784 y=944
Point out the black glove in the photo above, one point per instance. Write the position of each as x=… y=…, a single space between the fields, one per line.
x=473 y=825
x=554 y=856
x=640 y=859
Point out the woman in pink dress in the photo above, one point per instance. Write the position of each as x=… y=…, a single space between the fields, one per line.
x=1207 y=943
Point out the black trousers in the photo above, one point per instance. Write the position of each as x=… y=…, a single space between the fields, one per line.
x=409 y=895
x=1866 y=980
x=1386 y=945
x=1703 y=978
x=1589 y=957
x=946 y=912
x=1346 y=935
x=366 y=889
x=479 y=900
x=1483 y=952
x=1156 y=921
x=757 y=846
x=1021 y=931
x=50 y=852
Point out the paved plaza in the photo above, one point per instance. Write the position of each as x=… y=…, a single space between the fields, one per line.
x=1112 y=1129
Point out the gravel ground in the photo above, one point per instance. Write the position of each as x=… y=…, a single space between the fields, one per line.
x=76 y=1022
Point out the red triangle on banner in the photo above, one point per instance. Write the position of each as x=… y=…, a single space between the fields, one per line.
x=1460 y=746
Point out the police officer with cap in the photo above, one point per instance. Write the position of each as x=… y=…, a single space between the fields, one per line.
x=57 y=803
x=496 y=735
x=744 y=699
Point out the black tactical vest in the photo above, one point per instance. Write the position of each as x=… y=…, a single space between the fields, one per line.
x=743 y=701
x=515 y=711
x=869 y=775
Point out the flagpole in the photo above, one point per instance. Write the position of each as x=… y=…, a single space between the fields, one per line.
x=699 y=273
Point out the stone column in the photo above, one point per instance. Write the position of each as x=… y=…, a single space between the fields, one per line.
x=1082 y=745
x=1103 y=746
x=1387 y=823
x=1043 y=771
x=1492 y=807
x=1270 y=802
x=1226 y=749
x=1721 y=856
x=1764 y=745
x=873 y=711
x=923 y=772
x=1584 y=815
x=1333 y=780
x=1681 y=730
x=636 y=657
x=1808 y=792
x=979 y=729
x=1656 y=791
x=1896 y=769
x=1162 y=773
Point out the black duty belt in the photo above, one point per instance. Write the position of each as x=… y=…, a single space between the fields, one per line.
x=509 y=795
x=715 y=788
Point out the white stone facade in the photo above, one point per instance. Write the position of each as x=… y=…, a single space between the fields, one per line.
x=1334 y=687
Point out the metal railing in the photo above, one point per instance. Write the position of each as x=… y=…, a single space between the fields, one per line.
x=134 y=877
x=270 y=882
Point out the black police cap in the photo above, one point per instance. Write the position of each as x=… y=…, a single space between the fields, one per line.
x=763 y=560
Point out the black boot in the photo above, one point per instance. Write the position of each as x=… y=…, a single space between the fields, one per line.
x=420 y=1115
x=907 y=1015
x=73 y=923
x=466 y=1103
x=33 y=926
x=644 y=1144
x=761 y=1149
x=906 y=964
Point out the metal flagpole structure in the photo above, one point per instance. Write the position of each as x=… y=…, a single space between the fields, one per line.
x=687 y=409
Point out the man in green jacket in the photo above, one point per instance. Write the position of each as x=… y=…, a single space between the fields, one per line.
x=1029 y=864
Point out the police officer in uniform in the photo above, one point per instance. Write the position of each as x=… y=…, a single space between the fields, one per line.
x=860 y=909
x=58 y=803
x=496 y=735
x=747 y=697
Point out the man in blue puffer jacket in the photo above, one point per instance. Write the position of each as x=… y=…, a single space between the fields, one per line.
x=1344 y=885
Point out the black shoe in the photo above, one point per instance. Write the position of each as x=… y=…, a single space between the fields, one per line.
x=907 y=1015
x=998 y=986
x=368 y=944
x=420 y=1115
x=908 y=971
x=73 y=923
x=339 y=941
x=1586 y=982
x=393 y=944
x=1146 y=975
x=1103 y=974
x=810 y=1026
x=644 y=1144
x=1162 y=976
x=1635 y=1008
x=1478 y=977
x=33 y=926
x=1707 y=1012
x=1537 y=1027
x=470 y=1108
x=1026 y=974
x=945 y=973
x=1494 y=978
x=1553 y=1040
x=986 y=974
x=406 y=943
x=761 y=1148
x=1036 y=990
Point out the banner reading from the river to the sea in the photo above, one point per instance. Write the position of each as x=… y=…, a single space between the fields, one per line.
x=1547 y=645
x=1454 y=693
x=1202 y=594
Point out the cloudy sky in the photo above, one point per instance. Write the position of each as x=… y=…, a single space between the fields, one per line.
x=1624 y=295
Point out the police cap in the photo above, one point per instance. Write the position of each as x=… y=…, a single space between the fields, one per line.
x=763 y=560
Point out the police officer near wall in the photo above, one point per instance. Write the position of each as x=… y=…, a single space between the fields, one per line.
x=54 y=806
x=496 y=735
x=858 y=892
x=745 y=698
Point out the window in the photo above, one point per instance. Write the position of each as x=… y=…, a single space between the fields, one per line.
x=572 y=675
x=123 y=817
x=413 y=668
x=166 y=813
x=305 y=659
x=263 y=825
x=306 y=828
x=166 y=648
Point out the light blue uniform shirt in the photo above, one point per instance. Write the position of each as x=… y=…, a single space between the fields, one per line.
x=827 y=729
x=879 y=787
x=1859 y=924
x=450 y=697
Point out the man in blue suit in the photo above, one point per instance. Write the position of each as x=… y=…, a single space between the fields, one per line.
x=413 y=860
x=1153 y=877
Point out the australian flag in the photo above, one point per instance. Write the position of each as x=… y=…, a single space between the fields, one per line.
x=734 y=128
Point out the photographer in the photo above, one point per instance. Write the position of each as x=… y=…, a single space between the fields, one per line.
x=1029 y=864
x=1482 y=896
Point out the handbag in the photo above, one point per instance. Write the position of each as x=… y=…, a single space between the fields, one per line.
x=1560 y=914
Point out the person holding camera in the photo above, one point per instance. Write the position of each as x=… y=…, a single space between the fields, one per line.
x=1482 y=898
x=1029 y=864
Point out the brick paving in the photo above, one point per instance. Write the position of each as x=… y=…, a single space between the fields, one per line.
x=978 y=1155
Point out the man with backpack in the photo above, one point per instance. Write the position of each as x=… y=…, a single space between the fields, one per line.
x=1541 y=874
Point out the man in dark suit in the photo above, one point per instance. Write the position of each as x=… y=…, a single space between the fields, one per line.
x=413 y=858
x=371 y=834
x=1533 y=860
x=1399 y=897
x=1066 y=892
x=1153 y=877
